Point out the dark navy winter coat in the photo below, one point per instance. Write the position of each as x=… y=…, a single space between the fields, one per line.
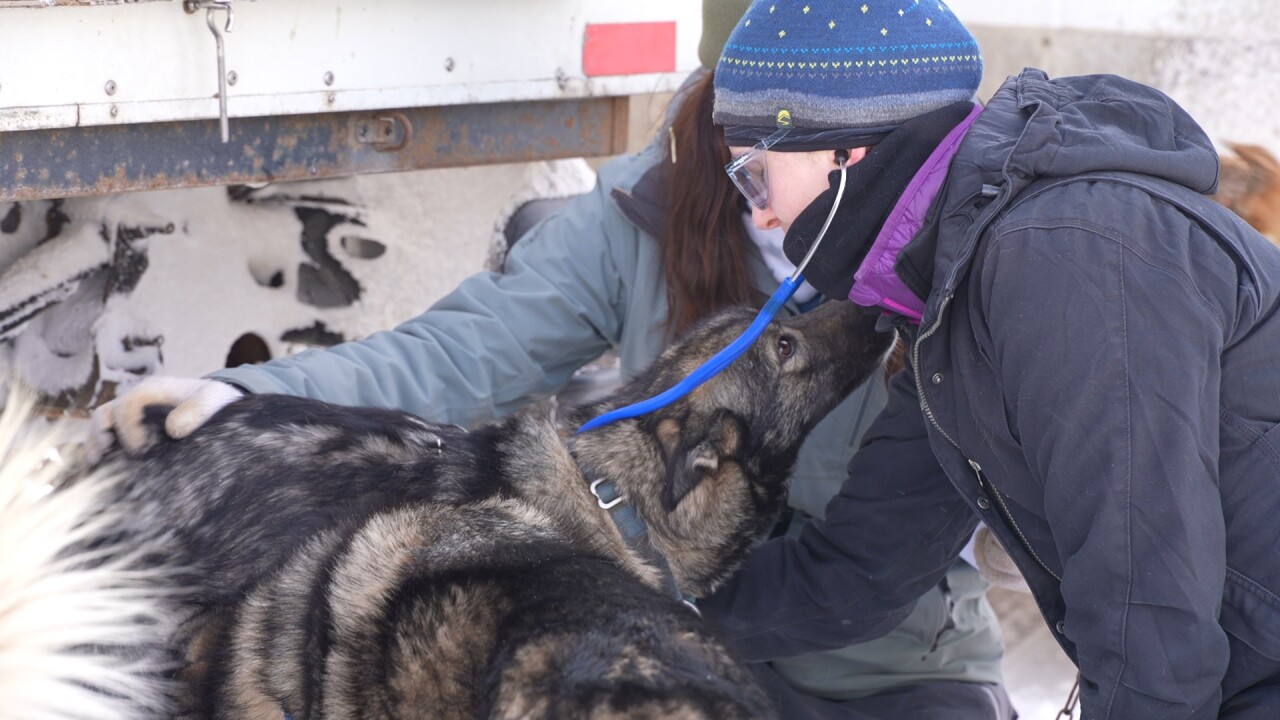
x=1097 y=376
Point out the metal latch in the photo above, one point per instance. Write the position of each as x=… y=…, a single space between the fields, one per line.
x=212 y=6
x=386 y=131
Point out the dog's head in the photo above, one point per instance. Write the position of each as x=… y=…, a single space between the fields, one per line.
x=709 y=471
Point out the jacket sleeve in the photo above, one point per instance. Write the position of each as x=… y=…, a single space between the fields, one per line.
x=890 y=534
x=1109 y=360
x=496 y=341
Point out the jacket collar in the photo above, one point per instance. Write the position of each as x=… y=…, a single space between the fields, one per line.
x=876 y=283
x=644 y=203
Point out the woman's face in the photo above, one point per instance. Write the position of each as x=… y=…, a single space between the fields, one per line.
x=794 y=180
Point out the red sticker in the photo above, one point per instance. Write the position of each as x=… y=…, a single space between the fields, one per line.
x=629 y=48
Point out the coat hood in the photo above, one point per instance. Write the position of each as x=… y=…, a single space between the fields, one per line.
x=1035 y=127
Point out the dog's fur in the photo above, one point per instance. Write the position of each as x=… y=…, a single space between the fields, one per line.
x=1250 y=186
x=366 y=564
x=86 y=615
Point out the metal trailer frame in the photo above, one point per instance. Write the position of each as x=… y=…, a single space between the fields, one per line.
x=106 y=96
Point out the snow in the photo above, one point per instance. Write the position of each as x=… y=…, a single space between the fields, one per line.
x=207 y=262
x=48 y=274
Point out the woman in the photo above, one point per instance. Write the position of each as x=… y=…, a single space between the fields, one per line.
x=1092 y=363
x=660 y=242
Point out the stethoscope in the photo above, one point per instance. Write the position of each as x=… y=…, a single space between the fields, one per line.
x=735 y=349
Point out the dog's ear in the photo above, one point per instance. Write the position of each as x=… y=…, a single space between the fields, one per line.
x=696 y=450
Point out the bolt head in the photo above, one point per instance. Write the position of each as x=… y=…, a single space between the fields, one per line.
x=328 y=78
x=110 y=87
x=232 y=77
x=114 y=111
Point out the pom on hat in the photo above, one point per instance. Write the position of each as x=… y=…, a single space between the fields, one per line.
x=864 y=65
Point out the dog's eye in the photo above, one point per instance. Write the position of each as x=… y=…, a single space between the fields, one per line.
x=786 y=347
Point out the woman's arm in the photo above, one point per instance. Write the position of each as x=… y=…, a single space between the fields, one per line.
x=855 y=575
x=496 y=341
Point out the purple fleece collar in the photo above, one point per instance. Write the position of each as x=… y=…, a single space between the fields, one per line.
x=875 y=283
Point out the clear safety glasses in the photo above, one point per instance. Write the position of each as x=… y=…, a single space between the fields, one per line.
x=749 y=172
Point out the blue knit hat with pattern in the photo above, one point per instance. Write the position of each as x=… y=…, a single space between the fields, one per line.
x=863 y=66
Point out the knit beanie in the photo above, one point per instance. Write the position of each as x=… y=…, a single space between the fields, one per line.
x=719 y=18
x=840 y=73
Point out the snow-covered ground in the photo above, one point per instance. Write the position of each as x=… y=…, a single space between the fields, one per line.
x=1037 y=673
x=98 y=292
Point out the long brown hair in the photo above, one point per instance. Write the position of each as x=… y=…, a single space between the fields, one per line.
x=704 y=252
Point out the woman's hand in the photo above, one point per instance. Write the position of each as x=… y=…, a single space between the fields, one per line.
x=994 y=562
x=192 y=403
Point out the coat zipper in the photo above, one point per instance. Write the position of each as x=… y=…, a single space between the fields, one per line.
x=986 y=486
x=990 y=489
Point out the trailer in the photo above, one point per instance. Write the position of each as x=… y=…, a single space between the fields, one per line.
x=105 y=96
x=315 y=170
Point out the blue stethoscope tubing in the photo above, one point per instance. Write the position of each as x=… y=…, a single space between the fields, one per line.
x=708 y=369
x=734 y=350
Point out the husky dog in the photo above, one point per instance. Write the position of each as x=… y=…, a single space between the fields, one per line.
x=361 y=563
x=86 y=615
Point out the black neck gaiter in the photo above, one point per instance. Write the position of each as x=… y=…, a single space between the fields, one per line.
x=874 y=185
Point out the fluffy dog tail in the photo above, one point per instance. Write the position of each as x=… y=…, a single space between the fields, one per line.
x=85 y=620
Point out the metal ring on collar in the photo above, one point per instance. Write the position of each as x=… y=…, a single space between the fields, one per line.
x=601 y=501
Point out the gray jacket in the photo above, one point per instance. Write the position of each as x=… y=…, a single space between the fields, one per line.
x=1096 y=376
x=581 y=282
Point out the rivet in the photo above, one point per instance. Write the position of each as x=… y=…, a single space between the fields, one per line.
x=330 y=98
x=111 y=87
x=448 y=64
x=984 y=503
x=232 y=77
x=114 y=111
x=328 y=78
x=936 y=379
x=1061 y=627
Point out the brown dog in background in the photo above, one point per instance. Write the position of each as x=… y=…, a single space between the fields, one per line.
x=1250 y=186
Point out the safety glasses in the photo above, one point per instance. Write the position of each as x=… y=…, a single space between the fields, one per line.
x=749 y=172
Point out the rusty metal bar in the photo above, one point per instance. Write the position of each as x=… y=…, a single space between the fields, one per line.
x=37 y=164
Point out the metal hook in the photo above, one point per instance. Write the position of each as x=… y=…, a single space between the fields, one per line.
x=212 y=6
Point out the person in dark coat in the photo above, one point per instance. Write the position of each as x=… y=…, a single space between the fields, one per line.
x=1094 y=359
